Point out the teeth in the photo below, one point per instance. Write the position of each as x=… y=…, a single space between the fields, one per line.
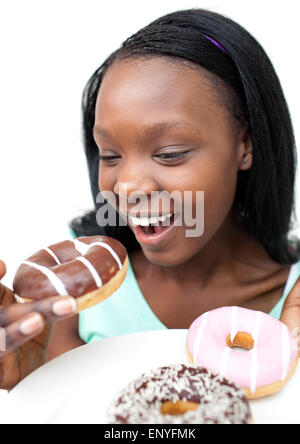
x=145 y=221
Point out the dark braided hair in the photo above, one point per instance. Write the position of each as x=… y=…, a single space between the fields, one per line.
x=264 y=201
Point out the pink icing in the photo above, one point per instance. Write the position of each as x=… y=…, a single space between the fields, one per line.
x=269 y=361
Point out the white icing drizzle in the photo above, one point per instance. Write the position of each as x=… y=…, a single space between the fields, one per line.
x=84 y=248
x=254 y=353
x=233 y=329
x=224 y=360
x=81 y=247
x=53 y=255
x=112 y=252
x=18 y=299
x=197 y=342
x=92 y=270
x=286 y=352
x=227 y=350
x=55 y=281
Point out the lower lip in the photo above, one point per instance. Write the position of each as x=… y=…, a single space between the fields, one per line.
x=152 y=239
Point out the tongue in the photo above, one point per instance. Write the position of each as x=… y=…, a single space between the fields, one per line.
x=158 y=228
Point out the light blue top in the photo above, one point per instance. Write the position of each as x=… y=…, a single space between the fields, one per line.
x=127 y=310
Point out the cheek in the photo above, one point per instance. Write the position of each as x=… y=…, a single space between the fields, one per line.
x=106 y=185
x=218 y=181
x=105 y=180
x=219 y=198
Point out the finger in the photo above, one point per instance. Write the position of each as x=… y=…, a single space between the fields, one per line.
x=291 y=309
x=6 y=296
x=52 y=309
x=2 y=269
x=19 y=332
x=291 y=317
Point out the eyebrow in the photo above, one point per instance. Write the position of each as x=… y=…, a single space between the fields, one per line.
x=150 y=130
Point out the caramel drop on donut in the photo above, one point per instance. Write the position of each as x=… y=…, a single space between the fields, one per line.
x=177 y=408
x=242 y=340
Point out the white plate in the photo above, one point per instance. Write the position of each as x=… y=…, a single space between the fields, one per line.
x=78 y=386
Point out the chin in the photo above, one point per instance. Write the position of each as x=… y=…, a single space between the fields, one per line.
x=173 y=257
x=164 y=259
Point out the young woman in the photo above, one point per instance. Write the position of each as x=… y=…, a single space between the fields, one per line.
x=190 y=103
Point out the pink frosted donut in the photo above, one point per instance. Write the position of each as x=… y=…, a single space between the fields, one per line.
x=270 y=353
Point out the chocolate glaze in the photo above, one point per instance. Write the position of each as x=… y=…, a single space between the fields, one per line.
x=220 y=400
x=31 y=283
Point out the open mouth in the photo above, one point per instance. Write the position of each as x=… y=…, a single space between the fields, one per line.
x=153 y=225
x=159 y=226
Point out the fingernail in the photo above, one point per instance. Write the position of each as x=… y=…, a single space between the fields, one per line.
x=31 y=325
x=64 y=307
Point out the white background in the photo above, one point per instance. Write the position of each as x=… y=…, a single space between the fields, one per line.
x=49 y=49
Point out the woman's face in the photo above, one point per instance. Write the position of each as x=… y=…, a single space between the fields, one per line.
x=137 y=105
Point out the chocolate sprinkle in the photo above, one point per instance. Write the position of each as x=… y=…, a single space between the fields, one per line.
x=220 y=400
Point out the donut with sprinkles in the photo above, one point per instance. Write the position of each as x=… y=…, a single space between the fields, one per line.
x=180 y=394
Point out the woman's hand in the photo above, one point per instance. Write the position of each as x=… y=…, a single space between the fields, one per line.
x=291 y=312
x=25 y=330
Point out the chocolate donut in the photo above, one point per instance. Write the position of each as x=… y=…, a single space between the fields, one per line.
x=180 y=394
x=88 y=268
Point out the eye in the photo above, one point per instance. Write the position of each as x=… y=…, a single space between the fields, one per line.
x=171 y=156
x=163 y=157
x=107 y=158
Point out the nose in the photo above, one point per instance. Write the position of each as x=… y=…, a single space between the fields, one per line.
x=134 y=184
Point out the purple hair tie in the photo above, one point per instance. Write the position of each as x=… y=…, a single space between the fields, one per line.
x=215 y=43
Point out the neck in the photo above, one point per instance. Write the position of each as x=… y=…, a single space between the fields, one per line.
x=216 y=258
x=231 y=269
